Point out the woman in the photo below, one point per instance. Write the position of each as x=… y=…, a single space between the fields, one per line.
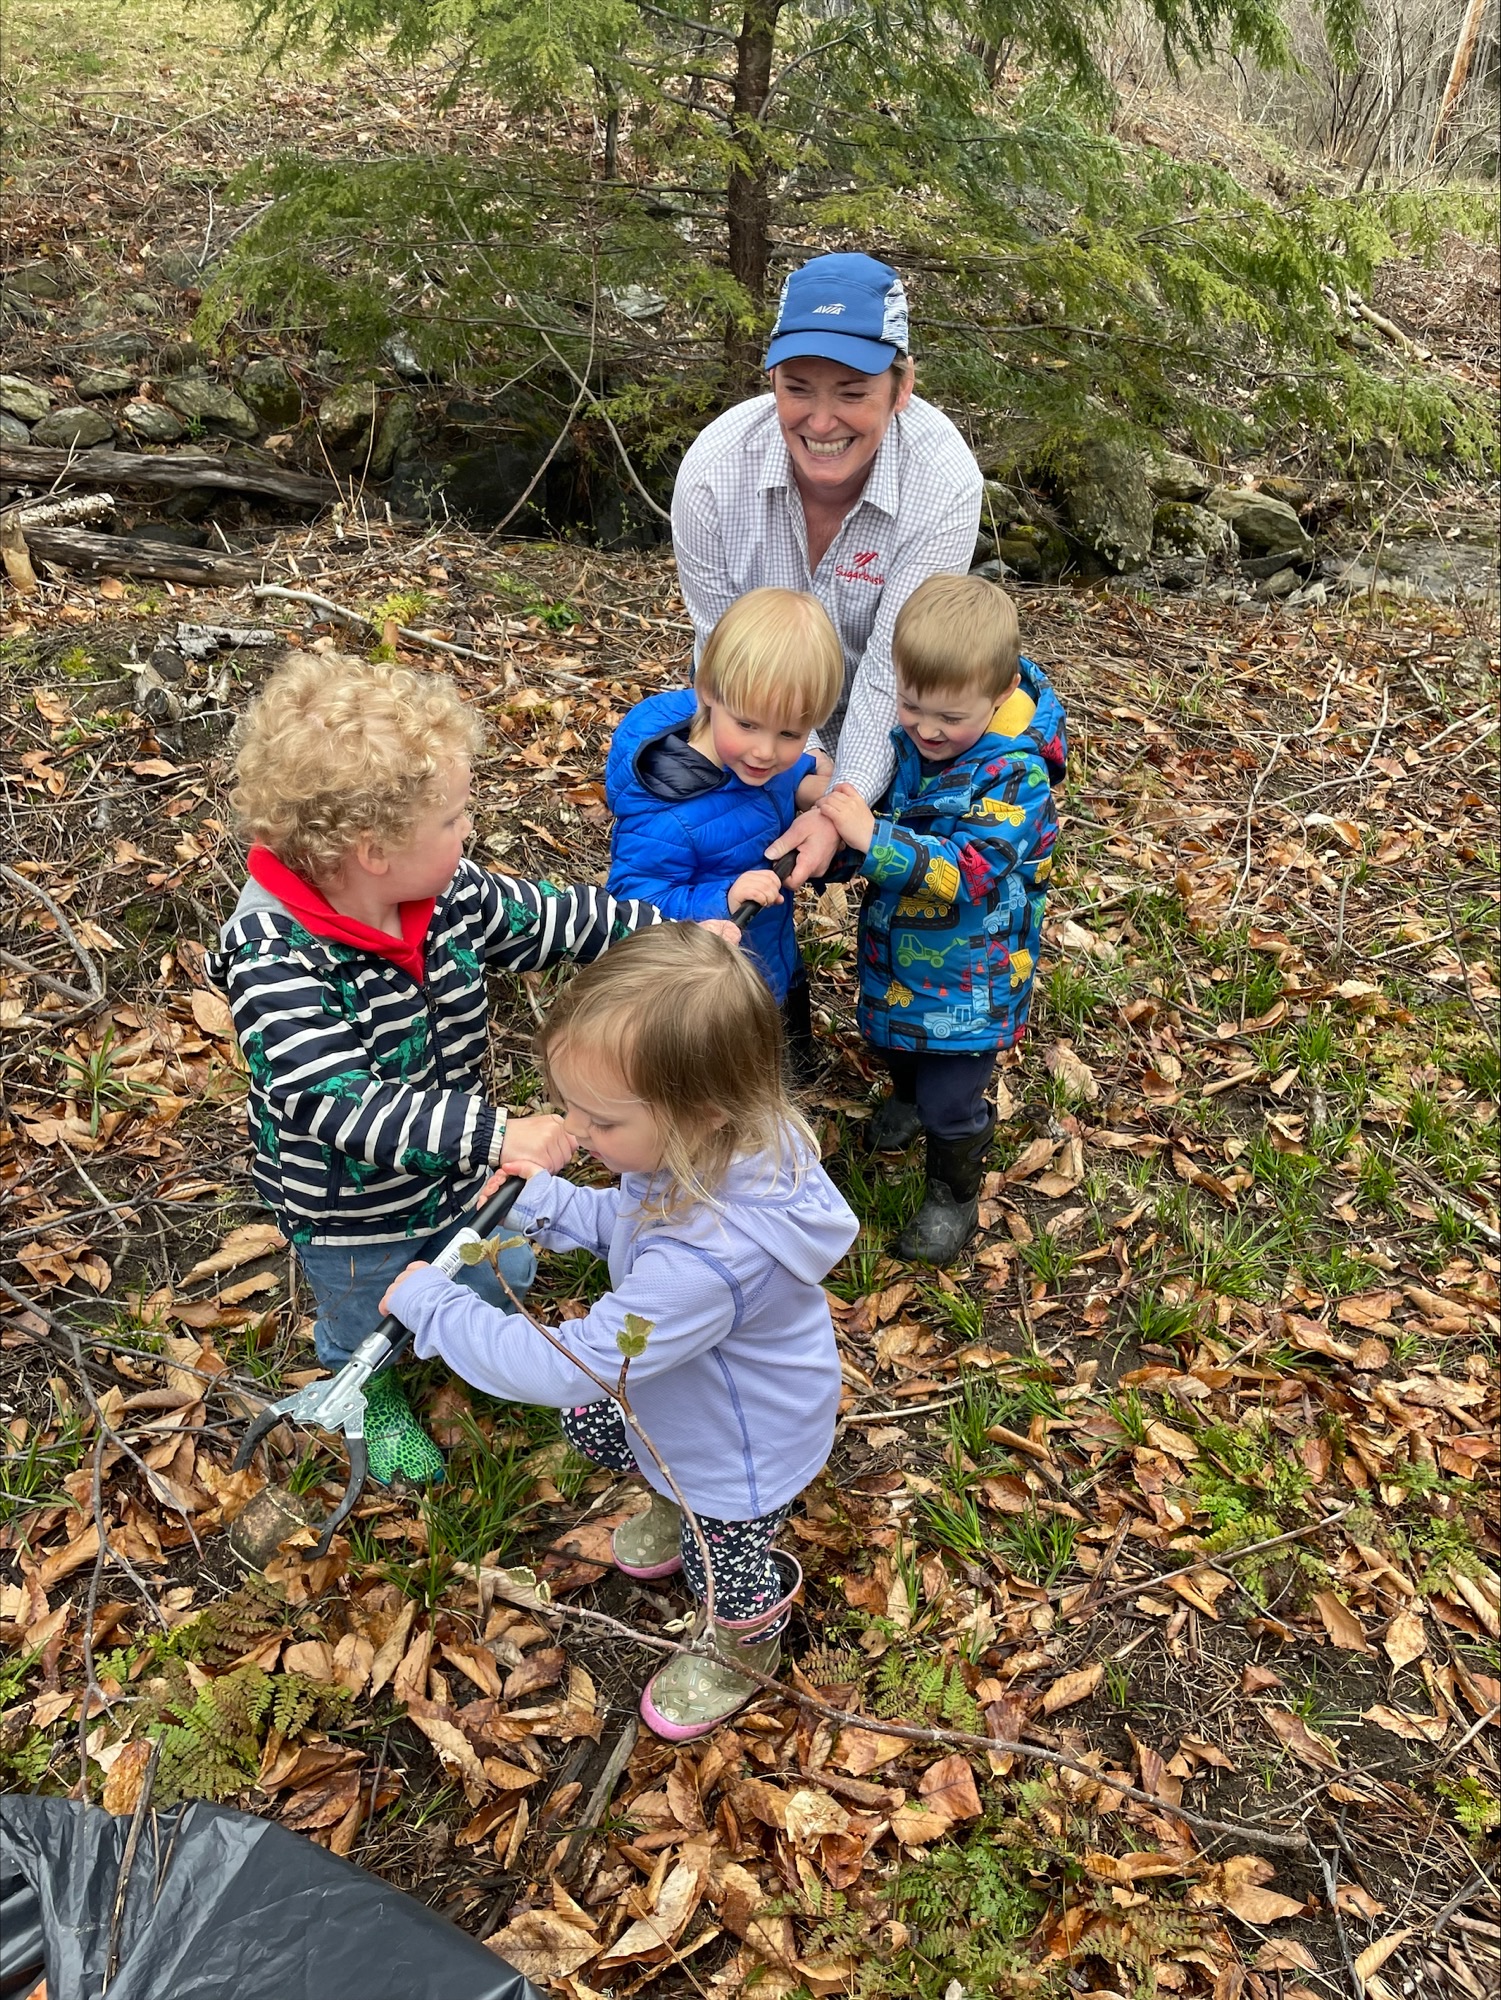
x=840 y=482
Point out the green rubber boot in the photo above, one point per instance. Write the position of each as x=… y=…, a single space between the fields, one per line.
x=398 y=1445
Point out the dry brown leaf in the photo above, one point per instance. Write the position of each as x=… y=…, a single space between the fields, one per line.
x=1376 y=1954
x=1070 y=1688
x=410 y=1680
x=312 y=1657
x=862 y=1750
x=1400 y=1722
x=353 y=1658
x=1077 y=1078
x=915 y=1826
x=1309 y=1746
x=1354 y=1901
x=456 y=1754
x=656 y=1934
x=388 y=1657
x=1344 y=1628
x=1404 y=1639
x=212 y=1014
x=122 y=1788
x=1262 y=1906
x=541 y=1945
x=811 y=1815
x=948 y=1787
x=508 y=1777
x=1285 y=1955
x=82 y=1549
x=241 y=1246
x=1031 y=1161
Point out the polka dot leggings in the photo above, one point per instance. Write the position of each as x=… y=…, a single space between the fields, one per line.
x=746 y=1580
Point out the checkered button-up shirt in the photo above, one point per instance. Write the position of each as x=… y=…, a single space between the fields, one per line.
x=738 y=525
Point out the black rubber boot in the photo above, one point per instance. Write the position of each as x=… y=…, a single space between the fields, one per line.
x=950 y=1212
x=893 y=1125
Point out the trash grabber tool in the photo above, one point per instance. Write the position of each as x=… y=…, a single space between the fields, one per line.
x=337 y=1405
x=782 y=867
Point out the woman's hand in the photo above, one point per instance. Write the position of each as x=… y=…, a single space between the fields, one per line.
x=852 y=818
x=387 y=1304
x=721 y=927
x=815 y=840
x=539 y=1144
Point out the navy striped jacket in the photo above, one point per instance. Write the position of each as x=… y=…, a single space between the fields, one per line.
x=365 y=1088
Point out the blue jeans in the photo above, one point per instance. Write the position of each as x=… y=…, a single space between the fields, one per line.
x=349 y=1280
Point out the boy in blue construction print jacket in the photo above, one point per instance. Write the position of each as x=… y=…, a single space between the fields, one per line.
x=355 y=965
x=702 y=780
x=956 y=860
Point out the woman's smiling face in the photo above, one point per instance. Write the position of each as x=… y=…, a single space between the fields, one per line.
x=834 y=419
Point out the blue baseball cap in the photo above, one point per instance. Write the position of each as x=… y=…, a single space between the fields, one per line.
x=845 y=307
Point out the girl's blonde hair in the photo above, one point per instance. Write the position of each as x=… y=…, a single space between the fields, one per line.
x=775 y=656
x=336 y=748
x=692 y=1029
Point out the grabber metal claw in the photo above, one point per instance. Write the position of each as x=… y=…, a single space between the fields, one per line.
x=337 y=1405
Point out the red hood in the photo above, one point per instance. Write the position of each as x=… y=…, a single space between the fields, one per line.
x=314 y=911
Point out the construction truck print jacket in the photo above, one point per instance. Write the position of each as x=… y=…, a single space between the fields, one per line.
x=366 y=1100
x=955 y=883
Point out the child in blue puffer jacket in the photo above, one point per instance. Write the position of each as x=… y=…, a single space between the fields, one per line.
x=702 y=780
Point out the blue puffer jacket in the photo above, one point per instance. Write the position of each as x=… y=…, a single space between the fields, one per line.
x=951 y=921
x=688 y=829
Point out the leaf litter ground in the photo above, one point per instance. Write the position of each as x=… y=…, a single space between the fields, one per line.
x=1186 y=1475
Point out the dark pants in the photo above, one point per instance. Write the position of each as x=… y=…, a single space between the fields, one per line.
x=948 y=1090
x=746 y=1580
x=797 y=1026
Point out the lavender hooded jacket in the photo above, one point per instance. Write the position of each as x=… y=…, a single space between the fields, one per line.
x=739 y=1384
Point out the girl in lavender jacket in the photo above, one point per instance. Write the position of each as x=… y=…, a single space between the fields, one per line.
x=665 y=1056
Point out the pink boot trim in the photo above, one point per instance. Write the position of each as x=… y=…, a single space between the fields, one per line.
x=650 y=1575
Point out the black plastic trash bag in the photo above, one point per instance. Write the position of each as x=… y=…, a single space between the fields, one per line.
x=218 y=1905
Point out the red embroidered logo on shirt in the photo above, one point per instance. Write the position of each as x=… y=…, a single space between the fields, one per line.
x=860 y=570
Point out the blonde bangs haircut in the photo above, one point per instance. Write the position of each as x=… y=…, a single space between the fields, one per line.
x=774 y=656
x=694 y=1034
x=955 y=633
x=335 y=749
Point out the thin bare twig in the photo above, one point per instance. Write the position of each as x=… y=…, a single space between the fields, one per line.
x=1213 y=1562
x=81 y=1003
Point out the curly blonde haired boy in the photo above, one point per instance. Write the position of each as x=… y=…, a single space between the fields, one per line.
x=355 y=966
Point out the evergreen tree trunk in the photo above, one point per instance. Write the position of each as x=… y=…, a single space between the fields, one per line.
x=748 y=205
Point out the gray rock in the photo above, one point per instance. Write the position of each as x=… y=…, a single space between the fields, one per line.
x=153 y=423
x=104 y=381
x=142 y=303
x=403 y=358
x=74 y=429
x=40 y=281
x=994 y=571
x=1107 y=502
x=1282 y=584
x=1174 y=477
x=210 y=404
x=12 y=430
x=23 y=399
x=271 y=390
x=1261 y=522
x=178 y=357
x=393 y=433
x=1296 y=492
x=1181 y=528
x=345 y=416
x=180 y=269
x=107 y=347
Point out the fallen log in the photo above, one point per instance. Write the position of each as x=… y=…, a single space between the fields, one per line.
x=34 y=463
x=128 y=555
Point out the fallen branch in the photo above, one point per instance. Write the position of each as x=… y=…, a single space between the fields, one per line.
x=52 y=513
x=181 y=470
x=1156 y=1581
x=358 y=622
x=130 y=555
x=81 y=1003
